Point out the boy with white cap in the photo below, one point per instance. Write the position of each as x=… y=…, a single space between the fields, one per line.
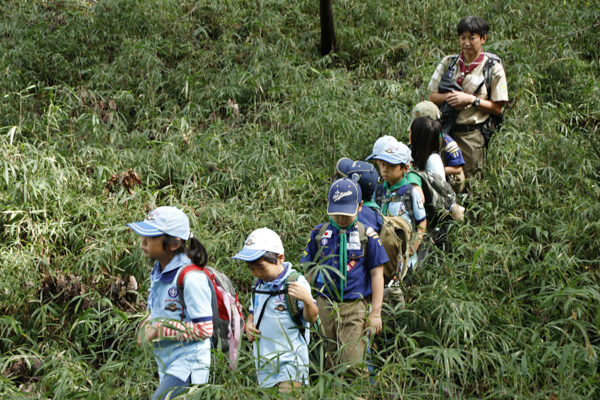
x=281 y=352
x=399 y=186
x=349 y=281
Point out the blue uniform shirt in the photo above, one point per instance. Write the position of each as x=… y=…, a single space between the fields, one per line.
x=180 y=359
x=359 y=264
x=454 y=156
x=370 y=217
x=281 y=353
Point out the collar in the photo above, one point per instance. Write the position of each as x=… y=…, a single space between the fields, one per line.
x=278 y=282
x=168 y=274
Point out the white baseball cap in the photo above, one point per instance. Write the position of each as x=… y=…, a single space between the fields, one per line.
x=258 y=243
x=164 y=220
x=380 y=145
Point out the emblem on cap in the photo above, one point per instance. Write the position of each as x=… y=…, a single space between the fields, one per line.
x=173 y=292
x=340 y=195
x=150 y=217
x=355 y=177
x=250 y=242
x=389 y=150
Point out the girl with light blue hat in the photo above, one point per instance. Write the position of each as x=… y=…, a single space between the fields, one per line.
x=180 y=336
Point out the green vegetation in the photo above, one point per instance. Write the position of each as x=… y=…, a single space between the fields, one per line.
x=92 y=89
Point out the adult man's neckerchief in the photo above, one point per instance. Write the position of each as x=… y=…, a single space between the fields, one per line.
x=464 y=70
x=343 y=252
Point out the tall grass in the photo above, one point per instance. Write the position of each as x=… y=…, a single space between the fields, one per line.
x=91 y=89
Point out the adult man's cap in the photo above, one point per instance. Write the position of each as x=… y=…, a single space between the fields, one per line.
x=359 y=171
x=398 y=153
x=344 y=197
x=258 y=243
x=380 y=144
x=426 y=109
x=164 y=221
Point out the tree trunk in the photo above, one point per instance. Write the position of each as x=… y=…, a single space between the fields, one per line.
x=327 y=30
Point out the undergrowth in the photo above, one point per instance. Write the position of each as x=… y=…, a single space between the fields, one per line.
x=226 y=110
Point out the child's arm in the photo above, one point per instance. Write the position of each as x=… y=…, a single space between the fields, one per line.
x=453 y=170
x=374 y=323
x=251 y=328
x=310 y=311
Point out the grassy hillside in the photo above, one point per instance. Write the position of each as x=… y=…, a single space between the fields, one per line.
x=225 y=109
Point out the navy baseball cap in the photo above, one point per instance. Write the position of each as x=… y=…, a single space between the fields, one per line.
x=361 y=172
x=164 y=220
x=344 y=197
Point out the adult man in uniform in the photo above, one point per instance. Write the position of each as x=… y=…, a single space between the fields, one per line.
x=473 y=108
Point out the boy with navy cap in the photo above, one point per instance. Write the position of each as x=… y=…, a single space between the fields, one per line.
x=366 y=176
x=280 y=350
x=355 y=276
x=394 y=165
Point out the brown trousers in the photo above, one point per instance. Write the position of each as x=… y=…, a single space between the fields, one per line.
x=472 y=145
x=344 y=326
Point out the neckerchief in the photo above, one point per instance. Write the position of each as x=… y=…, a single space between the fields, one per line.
x=387 y=191
x=371 y=204
x=464 y=70
x=343 y=252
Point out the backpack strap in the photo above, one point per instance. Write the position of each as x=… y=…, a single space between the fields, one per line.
x=453 y=60
x=379 y=194
x=362 y=235
x=292 y=304
x=181 y=275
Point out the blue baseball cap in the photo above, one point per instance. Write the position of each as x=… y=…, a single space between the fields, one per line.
x=258 y=243
x=344 y=197
x=380 y=145
x=164 y=220
x=395 y=153
x=361 y=172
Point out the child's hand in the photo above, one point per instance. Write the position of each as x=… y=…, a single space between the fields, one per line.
x=147 y=332
x=373 y=324
x=297 y=291
x=251 y=331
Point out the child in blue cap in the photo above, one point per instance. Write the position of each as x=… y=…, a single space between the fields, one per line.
x=343 y=298
x=394 y=164
x=280 y=350
x=367 y=178
x=181 y=338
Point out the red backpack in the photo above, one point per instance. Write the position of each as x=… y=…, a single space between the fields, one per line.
x=228 y=320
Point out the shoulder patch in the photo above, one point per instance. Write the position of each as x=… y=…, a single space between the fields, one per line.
x=371 y=232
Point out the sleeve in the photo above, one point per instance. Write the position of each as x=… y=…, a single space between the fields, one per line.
x=198 y=297
x=454 y=157
x=499 y=87
x=437 y=75
x=418 y=207
x=311 y=246
x=376 y=254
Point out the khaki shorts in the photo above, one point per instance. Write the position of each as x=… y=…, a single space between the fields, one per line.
x=472 y=146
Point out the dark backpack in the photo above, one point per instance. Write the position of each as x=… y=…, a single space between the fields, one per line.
x=493 y=123
x=228 y=320
x=316 y=348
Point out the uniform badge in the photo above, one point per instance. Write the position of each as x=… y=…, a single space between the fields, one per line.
x=328 y=233
x=354 y=237
x=371 y=232
x=324 y=241
x=282 y=297
x=280 y=308
x=172 y=307
x=503 y=87
x=173 y=292
x=355 y=177
x=351 y=265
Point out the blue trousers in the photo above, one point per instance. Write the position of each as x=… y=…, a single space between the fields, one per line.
x=171 y=385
